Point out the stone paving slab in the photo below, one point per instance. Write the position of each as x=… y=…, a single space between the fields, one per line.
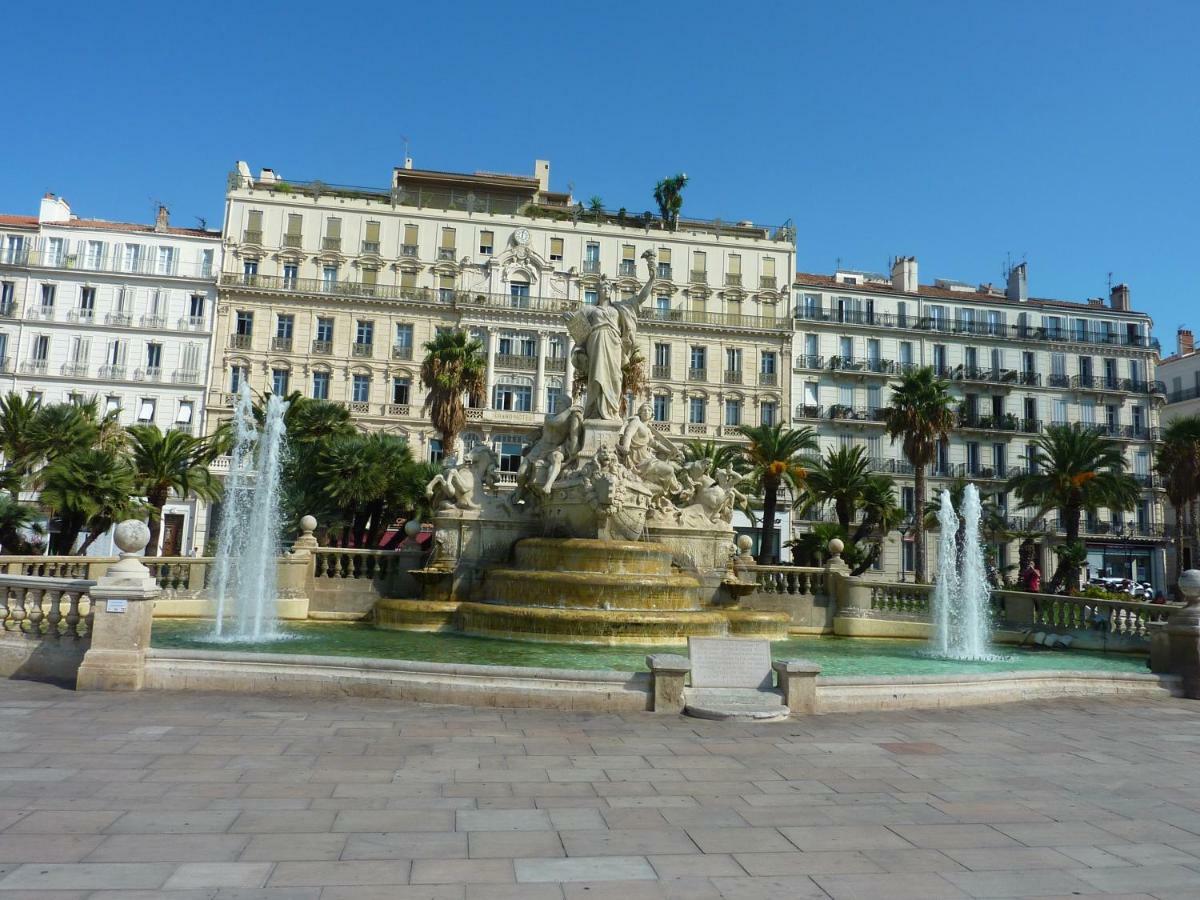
x=212 y=797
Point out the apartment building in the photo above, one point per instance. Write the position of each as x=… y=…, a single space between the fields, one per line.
x=1015 y=363
x=117 y=311
x=332 y=291
x=1180 y=373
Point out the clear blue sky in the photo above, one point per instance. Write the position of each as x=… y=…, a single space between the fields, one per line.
x=1065 y=133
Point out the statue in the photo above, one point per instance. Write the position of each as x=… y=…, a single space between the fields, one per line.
x=462 y=485
x=605 y=338
x=556 y=443
x=649 y=454
x=710 y=500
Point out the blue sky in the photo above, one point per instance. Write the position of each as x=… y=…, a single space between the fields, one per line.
x=1064 y=133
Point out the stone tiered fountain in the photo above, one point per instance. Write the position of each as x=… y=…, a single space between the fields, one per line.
x=608 y=537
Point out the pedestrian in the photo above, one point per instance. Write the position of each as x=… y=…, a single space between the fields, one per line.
x=1035 y=579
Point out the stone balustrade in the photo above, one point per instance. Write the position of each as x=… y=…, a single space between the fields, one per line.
x=901 y=599
x=46 y=608
x=338 y=562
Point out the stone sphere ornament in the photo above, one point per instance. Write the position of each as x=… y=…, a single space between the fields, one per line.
x=131 y=535
x=308 y=524
x=1189 y=585
x=836 y=547
x=412 y=527
x=744 y=543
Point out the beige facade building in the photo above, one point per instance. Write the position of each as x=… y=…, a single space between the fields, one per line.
x=1016 y=364
x=1180 y=373
x=332 y=291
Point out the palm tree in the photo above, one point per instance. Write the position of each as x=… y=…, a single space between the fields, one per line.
x=16 y=520
x=992 y=522
x=774 y=457
x=169 y=462
x=1177 y=462
x=840 y=477
x=16 y=419
x=718 y=456
x=921 y=415
x=89 y=489
x=1074 y=469
x=668 y=194
x=454 y=367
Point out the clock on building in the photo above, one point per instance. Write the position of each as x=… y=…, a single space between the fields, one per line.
x=521 y=237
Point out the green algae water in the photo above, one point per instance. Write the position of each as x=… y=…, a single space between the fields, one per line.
x=835 y=655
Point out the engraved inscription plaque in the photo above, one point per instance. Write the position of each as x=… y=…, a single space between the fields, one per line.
x=730 y=663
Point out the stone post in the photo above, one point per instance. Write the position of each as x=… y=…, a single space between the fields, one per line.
x=490 y=376
x=539 y=382
x=667 y=673
x=1183 y=632
x=123 y=600
x=798 y=683
x=294 y=581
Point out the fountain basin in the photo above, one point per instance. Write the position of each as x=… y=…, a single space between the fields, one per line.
x=591 y=590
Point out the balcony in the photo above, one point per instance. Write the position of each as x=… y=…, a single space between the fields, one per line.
x=186 y=376
x=663 y=272
x=150 y=373
x=408 y=251
x=281 y=344
x=75 y=369
x=252 y=237
x=732 y=280
x=396 y=409
x=115 y=372
x=592 y=267
x=1058 y=380
x=556 y=364
x=767 y=283
x=974 y=421
x=34 y=367
x=841 y=412
x=698 y=277
x=732 y=377
x=293 y=241
x=239 y=341
x=370 y=247
x=362 y=351
x=808 y=362
x=768 y=379
x=446 y=254
x=322 y=348
x=8 y=310
x=118 y=318
x=154 y=321
x=627 y=268
x=192 y=323
x=697 y=374
x=45 y=313
x=517 y=361
x=81 y=315
x=663 y=372
x=333 y=244
x=725 y=320
x=807 y=411
x=402 y=351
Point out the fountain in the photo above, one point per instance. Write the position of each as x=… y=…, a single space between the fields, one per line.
x=609 y=536
x=961 y=596
x=244 y=577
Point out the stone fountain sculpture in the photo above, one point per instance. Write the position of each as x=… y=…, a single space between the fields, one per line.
x=615 y=539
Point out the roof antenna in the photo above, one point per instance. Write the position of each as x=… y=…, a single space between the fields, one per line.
x=1110 y=283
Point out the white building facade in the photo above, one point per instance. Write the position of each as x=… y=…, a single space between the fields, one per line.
x=1015 y=364
x=117 y=311
x=1180 y=373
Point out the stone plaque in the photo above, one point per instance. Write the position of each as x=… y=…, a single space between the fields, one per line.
x=730 y=663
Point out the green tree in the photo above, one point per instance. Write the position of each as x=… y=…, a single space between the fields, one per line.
x=840 y=477
x=774 y=456
x=921 y=415
x=168 y=463
x=17 y=414
x=668 y=194
x=370 y=479
x=1074 y=470
x=454 y=368
x=16 y=521
x=90 y=489
x=992 y=523
x=1177 y=463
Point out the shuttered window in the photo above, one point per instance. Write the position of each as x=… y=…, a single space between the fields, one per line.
x=699 y=261
x=664 y=255
x=373 y=232
x=628 y=252
x=410 y=234
x=768 y=264
x=254 y=220
x=369 y=276
x=408 y=280
x=447 y=239
x=294 y=224
x=735 y=264
x=333 y=228
x=556 y=249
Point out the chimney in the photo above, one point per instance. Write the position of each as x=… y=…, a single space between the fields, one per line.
x=54 y=209
x=541 y=171
x=1018 y=284
x=904 y=274
x=1187 y=344
x=163 y=220
x=1119 y=297
x=408 y=162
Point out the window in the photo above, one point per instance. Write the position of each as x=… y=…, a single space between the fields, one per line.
x=293 y=237
x=768 y=273
x=663 y=305
x=154 y=356
x=846 y=395
x=401 y=388
x=183 y=416
x=554 y=399
x=166 y=261
x=325 y=330
x=699 y=356
x=906 y=353
x=733 y=413
x=519 y=291
x=364 y=334
x=939 y=359
x=360 y=388
x=1059 y=416
x=973 y=457
x=87 y=302
x=8 y=290
x=48 y=291
x=333 y=234
x=329 y=277
x=146 y=409
x=41 y=348
x=279 y=382
x=768 y=361
x=133 y=257
x=733 y=273
x=696 y=407
x=662 y=357
x=664 y=263
x=283 y=326
x=590 y=297
x=908 y=555
x=435 y=451
x=486 y=242
x=846 y=349
x=112 y=404
x=245 y=323
x=699 y=267
x=196 y=309
x=515 y=397
x=237 y=377
x=250 y=267
x=937 y=317
x=206 y=263
x=591 y=253
x=291 y=272
x=661 y=408
x=93 y=255
x=733 y=359
x=447 y=246
x=768 y=412
x=410 y=241
x=874 y=397
x=811 y=393
x=508 y=449
x=404 y=340
x=999 y=459
x=556 y=249
x=371 y=238
x=320 y=386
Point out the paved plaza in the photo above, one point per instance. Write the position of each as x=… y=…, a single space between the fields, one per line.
x=128 y=796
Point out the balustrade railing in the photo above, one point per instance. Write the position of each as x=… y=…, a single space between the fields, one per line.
x=338 y=562
x=901 y=599
x=47 y=608
x=789 y=579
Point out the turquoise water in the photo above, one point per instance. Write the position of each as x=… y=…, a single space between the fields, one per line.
x=836 y=656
